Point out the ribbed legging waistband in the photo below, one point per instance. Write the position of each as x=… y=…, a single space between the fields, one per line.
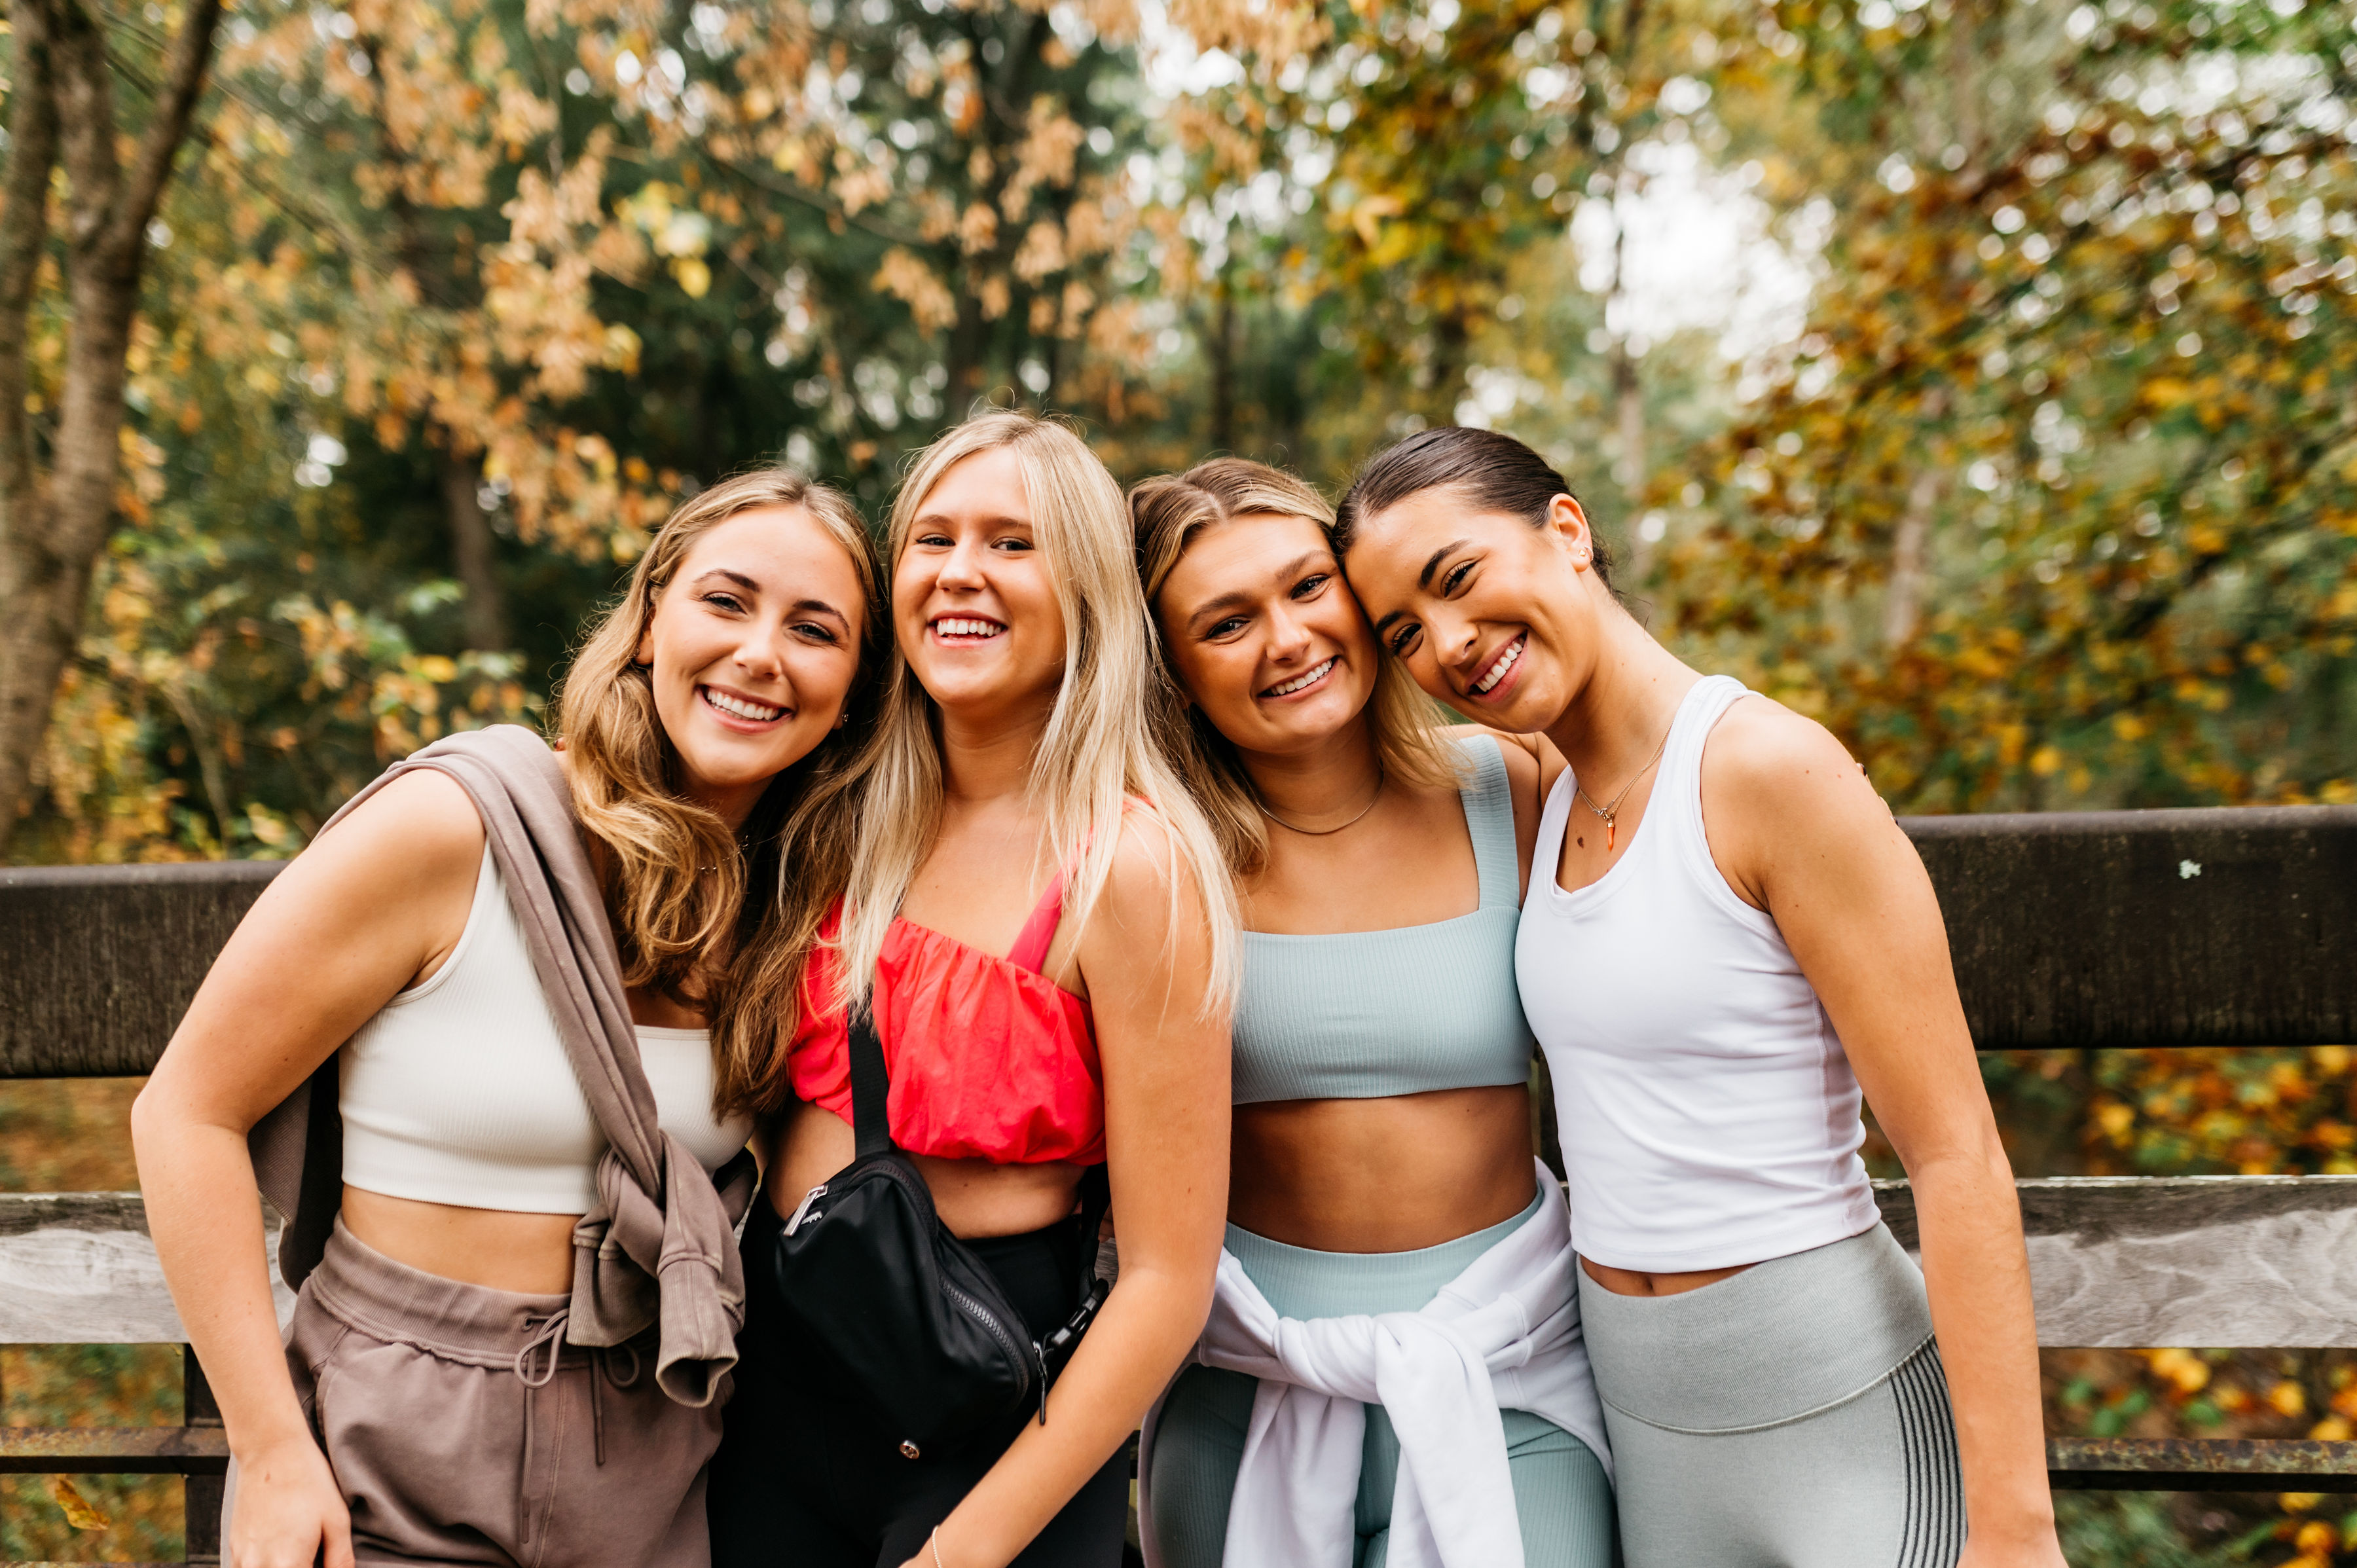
x=459 y=1322
x=1303 y=1284
x=1780 y=1341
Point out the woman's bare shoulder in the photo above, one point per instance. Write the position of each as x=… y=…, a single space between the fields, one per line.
x=419 y=830
x=1765 y=760
x=1532 y=760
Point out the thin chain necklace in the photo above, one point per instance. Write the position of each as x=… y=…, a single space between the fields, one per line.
x=1321 y=833
x=1611 y=812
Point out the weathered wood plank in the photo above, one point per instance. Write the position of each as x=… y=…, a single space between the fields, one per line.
x=2115 y=1262
x=113 y=1451
x=2218 y=927
x=2136 y=1262
x=2200 y=1465
x=102 y=959
x=77 y=1268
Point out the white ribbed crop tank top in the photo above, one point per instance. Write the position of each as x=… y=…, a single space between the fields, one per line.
x=1708 y=1113
x=459 y=1091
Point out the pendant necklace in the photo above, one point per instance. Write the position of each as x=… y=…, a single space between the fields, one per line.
x=1611 y=812
x=1321 y=833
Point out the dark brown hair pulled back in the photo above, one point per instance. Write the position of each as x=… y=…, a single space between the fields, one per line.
x=1493 y=472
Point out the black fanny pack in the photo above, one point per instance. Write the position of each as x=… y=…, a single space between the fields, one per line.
x=891 y=1304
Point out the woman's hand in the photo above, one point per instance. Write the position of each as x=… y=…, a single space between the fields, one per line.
x=2036 y=1548
x=290 y=1513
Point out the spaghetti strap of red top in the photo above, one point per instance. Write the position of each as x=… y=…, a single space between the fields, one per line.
x=989 y=1058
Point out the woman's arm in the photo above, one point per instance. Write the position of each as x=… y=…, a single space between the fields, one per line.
x=1799 y=833
x=1145 y=957
x=357 y=916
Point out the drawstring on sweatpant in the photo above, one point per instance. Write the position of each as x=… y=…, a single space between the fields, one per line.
x=536 y=1374
x=549 y=1335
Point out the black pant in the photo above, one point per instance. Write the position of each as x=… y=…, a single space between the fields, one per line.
x=807 y=1478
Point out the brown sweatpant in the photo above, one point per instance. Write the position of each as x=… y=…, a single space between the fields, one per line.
x=464 y=1430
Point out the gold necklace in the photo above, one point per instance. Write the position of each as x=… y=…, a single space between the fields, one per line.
x=1321 y=833
x=1610 y=813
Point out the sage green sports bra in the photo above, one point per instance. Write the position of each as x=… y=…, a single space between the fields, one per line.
x=1366 y=1015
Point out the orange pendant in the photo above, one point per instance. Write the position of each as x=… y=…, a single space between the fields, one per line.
x=1611 y=826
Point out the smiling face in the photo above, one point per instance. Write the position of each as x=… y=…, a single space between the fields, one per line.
x=752 y=646
x=1492 y=616
x=1264 y=635
x=973 y=602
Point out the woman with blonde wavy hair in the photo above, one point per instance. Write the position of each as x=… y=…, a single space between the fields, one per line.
x=1040 y=937
x=509 y=1224
x=1383 y=1171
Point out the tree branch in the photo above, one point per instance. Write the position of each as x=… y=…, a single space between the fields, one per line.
x=168 y=123
x=24 y=234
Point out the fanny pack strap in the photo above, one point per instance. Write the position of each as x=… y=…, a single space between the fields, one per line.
x=871 y=1091
x=871 y=1084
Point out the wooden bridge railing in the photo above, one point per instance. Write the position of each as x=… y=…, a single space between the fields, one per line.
x=2208 y=927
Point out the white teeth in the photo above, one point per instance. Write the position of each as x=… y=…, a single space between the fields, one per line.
x=1298 y=682
x=1498 y=672
x=949 y=626
x=739 y=706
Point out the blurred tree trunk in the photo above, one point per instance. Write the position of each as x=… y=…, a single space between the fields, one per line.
x=53 y=524
x=1903 y=605
x=471 y=550
x=1629 y=410
x=437 y=276
x=1222 y=359
x=1628 y=406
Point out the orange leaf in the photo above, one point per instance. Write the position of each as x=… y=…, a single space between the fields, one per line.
x=78 y=1511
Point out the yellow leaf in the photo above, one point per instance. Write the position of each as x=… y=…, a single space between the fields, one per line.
x=1368 y=215
x=2045 y=760
x=694 y=275
x=78 y=1511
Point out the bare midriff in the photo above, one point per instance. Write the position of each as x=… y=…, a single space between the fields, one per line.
x=974 y=1197
x=1636 y=1282
x=491 y=1247
x=1381 y=1176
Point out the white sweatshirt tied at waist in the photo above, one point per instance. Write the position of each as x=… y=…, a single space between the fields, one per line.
x=1503 y=1335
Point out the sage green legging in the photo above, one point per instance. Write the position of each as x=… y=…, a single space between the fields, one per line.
x=1562 y=1497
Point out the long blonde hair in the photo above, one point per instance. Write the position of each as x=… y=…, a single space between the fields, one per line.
x=1166 y=513
x=1100 y=743
x=676 y=877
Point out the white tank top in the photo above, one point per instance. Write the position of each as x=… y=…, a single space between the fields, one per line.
x=459 y=1091
x=1708 y=1114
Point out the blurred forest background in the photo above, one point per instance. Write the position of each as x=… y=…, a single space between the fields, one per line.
x=1978 y=376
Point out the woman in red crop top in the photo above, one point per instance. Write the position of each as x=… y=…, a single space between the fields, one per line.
x=1049 y=932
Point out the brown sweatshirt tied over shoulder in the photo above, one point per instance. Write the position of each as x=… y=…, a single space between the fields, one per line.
x=660 y=1248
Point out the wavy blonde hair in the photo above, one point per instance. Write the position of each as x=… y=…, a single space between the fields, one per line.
x=1166 y=513
x=682 y=928
x=1100 y=745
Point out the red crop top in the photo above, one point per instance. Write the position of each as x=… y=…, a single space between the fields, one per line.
x=989 y=1058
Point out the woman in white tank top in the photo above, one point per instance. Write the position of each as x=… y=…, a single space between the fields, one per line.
x=435 y=1398
x=1726 y=935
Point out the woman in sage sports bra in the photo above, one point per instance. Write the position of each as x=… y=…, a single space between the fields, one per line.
x=1726 y=937
x=1382 y=1183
